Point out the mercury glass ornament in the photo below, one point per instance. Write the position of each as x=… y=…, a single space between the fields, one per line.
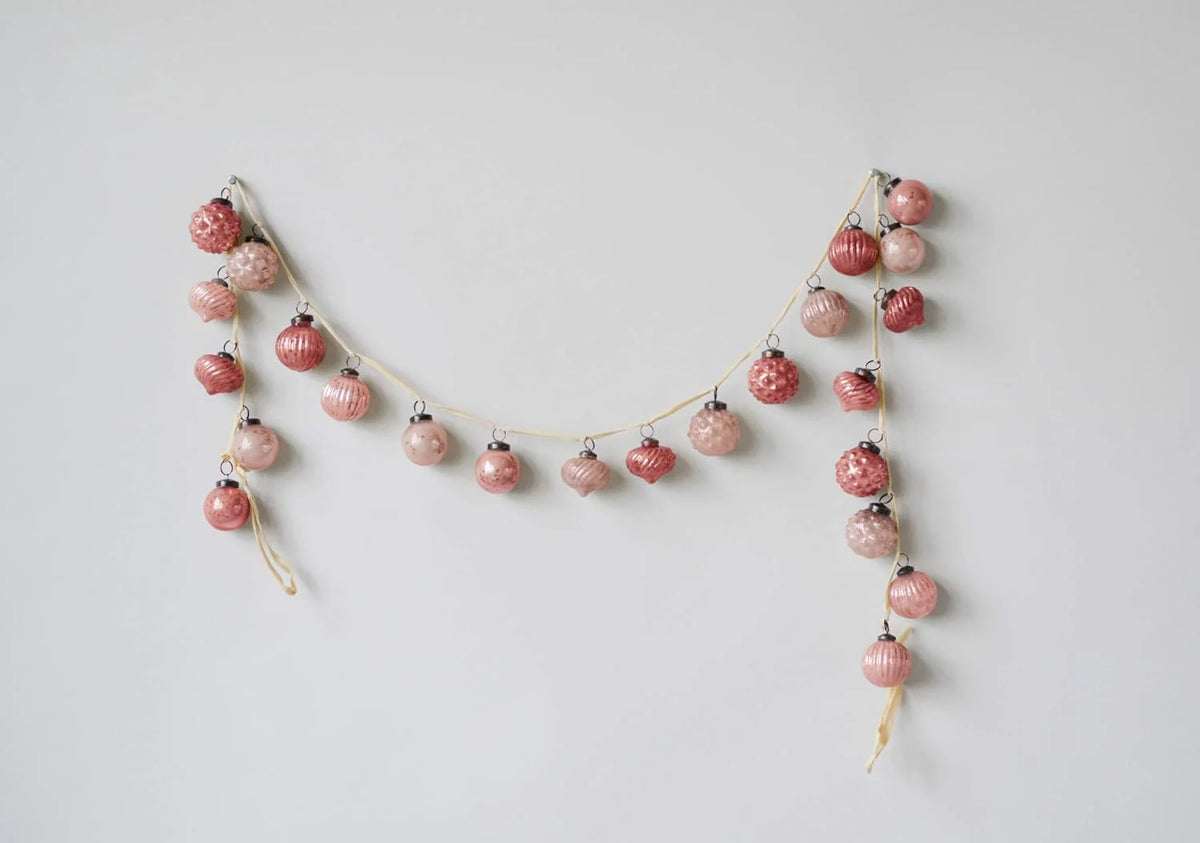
x=497 y=470
x=226 y=506
x=853 y=251
x=872 y=532
x=255 y=446
x=903 y=309
x=773 y=379
x=908 y=200
x=862 y=471
x=887 y=662
x=650 y=461
x=345 y=397
x=300 y=346
x=215 y=227
x=586 y=473
x=252 y=265
x=912 y=593
x=714 y=430
x=219 y=372
x=424 y=440
x=856 y=390
x=825 y=312
x=213 y=300
x=901 y=249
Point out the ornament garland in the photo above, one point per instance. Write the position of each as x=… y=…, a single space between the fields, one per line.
x=863 y=471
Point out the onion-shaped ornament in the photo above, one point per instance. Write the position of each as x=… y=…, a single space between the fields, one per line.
x=219 y=372
x=862 y=471
x=497 y=470
x=425 y=441
x=226 y=507
x=345 y=397
x=872 y=532
x=300 y=346
x=773 y=379
x=887 y=662
x=586 y=473
x=255 y=446
x=825 y=312
x=853 y=251
x=908 y=200
x=650 y=460
x=216 y=226
x=856 y=390
x=213 y=299
x=912 y=594
x=903 y=309
x=253 y=265
x=714 y=431
x=901 y=249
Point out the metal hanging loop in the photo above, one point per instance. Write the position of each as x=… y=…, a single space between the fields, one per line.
x=221 y=277
x=874 y=436
x=811 y=285
x=857 y=219
x=302 y=307
x=499 y=434
x=225 y=346
x=589 y=443
x=357 y=361
x=226 y=471
x=772 y=337
x=419 y=407
x=647 y=433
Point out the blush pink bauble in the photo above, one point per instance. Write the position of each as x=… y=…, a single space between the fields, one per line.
x=253 y=265
x=255 y=446
x=300 y=346
x=887 y=662
x=912 y=594
x=219 y=372
x=908 y=200
x=650 y=460
x=497 y=470
x=714 y=431
x=345 y=397
x=586 y=473
x=213 y=300
x=424 y=440
x=226 y=507
x=872 y=532
x=856 y=390
x=825 y=312
x=901 y=249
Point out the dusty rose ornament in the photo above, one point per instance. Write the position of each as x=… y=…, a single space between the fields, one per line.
x=872 y=532
x=219 y=372
x=253 y=265
x=424 y=440
x=650 y=460
x=213 y=299
x=714 y=431
x=497 y=470
x=345 y=397
x=912 y=594
x=903 y=309
x=300 y=346
x=586 y=473
x=226 y=507
x=887 y=662
x=901 y=249
x=857 y=390
x=773 y=379
x=853 y=251
x=908 y=200
x=216 y=226
x=255 y=446
x=862 y=471
x=825 y=312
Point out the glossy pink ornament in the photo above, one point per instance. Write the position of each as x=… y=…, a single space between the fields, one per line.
x=862 y=471
x=253 y=265
x=901 y=249
x=853 y=251
x=912 y=594
x=856 y=390
x=872 y=532
x=887 y=662
x=300 y=346
x=773 y=379
x=497 y=470
x=586 y=473
x=714 y=431
x=255 y=446
x=908 y=200
x=825 y=312
x=424 y=440
x=650 y=461
x=215 y=227
x=219 y=372
x=903 y=309
x=213 y=300
x=226 y=506
x=345 y=397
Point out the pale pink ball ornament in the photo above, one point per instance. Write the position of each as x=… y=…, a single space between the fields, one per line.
x=213 y=299
x=773 y=379
x=650 y=460
x=586 y=473
x=253 y=265
x=872 y=532
x=856 y=390
x=912 y=593
x=901 y=249
x=226 y=507
x=497 y=470
x=219 y=373
x=825 y=312
x=853 y=251
x=300 y=346
x=862 y=471
x=255 y=446
x=345 y=397
x=908 y=200
x=424 y=440
x=887 y=662
x=714 y=431
x=216 y=226
x=903 y=309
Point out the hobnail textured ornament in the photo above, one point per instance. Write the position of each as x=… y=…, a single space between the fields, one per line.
x=226 y=507
x=345 y=397
x=219 y=372
x=586 y=473
x=901 y=249
x=912 y=594
x=856 y=390
x=650 y=460
x=215 y=227
x=425 y=440
x=825 y=312
x=773 y=379
x=872 y=532
x=903 y=309
x=887 y=662
x=853 y=251
x=908 y=200
x=862 y=471
x=255 y=446
x=714 y=430
x=300 y=346
x=213 y=300
x=497 y=470
x=252 y=265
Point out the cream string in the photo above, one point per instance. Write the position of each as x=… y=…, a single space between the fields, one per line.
x=883 y=732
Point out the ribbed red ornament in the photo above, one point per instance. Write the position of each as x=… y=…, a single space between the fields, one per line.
x=300 y=346
x=219 y=373
x=773 y=379
x=345 y=397
x=856 y=390
x=887 y=662
x=650 y=461
x=213 y=300
x=903 y=309
x=853 y=251
x=912 y=594
x=215 y=227
x=862 y=471
x=226 y=507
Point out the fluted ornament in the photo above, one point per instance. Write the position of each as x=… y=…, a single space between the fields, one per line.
x=425 y=441
x=497 y=470
x=219 y=372
x=226 y=507
x=903 y=309
x=908 y=200
x=856 y=390
x=912 y=594
x=213 y=300
x=825 y=312
x=216 y=226
x=253 y=265
x=901 y=249
x=586 y=473
x=650 y=460
x=255 y=446
x=862 y=471
x=887 y=662
x=773 y=379
x=853 y=251
x=300 y=346
x=345 y=397
x=714 y=431
x=872 y=532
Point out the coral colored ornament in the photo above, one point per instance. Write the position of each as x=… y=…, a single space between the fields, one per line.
x=219 y=372
x=872 y=532
x=497 y=470
x=345 y=397
x=255 y=446
x=862 y=471
x=825 y=312
x=215 y=227
x=908 y=200
x=714 y=430
x=853 y=251
x=773 y=379
x=300 y=346
x=424 y=440
x=586 y=473
x=213 y=300
x=903 y=309
x=856 y=390
x=253 y=265
x=887 y=662
x=226 y=506
x=650 y=461
x=901 y=249
x=912 y=593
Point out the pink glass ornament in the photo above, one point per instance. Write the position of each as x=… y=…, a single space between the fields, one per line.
x=219 y=373
x=856 y=390
x=872 y=532
x=908 y=200
x=714 y=430
x=825 y=312
x=773 y=379
x=901 y=249
x=912 y=593
x=300 y=346
x=887 y=662
x=255 y=446
x=226 y=506
x=586 y=473
x=853 y=251
x=862 y=471
x=903 y=309
x=497 y=470
x=213 y=300
x=253 y=265
x=345 y=397
x=215 y=227
x=424 y=440
x=650 y=461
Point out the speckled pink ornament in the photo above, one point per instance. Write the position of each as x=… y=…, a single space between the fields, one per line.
x=908 y=200
x=424 y=440
x=901 y=249
x=215 y=227
x=856 y=390
x=714 y=430
x=887 y=662
x=912 y=593
x=903 y=309
x=862 y=471
x=213 y=300
x=219 y=372
x=255 y=446
x=226 y=506
x=497 y=470
x=345 y=397
x=872 y=532
x=586 y=473
x=650 y=461
x=825 y=312
x=252 y=265
x=300 y=346
x=773 y=379
x=853 y=251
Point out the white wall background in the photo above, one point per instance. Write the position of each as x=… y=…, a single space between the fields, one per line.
x=571 y=214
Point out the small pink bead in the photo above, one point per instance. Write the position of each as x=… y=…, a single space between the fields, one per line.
x=252 y=265
x=714 y=431
x=497 y=470
x=255 y=446
x=862 y=471
x=345 y=397
x=650 y=461
x=585 y=473
x=887 y=662
x=903 y=309
x=909 y=201
x=825 y=312
x=853 y=251
x=773 y=379
x=425 y=440
x=215 y=227
x=872 y=533
x=856 y=390
x=226 y=506
x=902 y=250
x=300 y=346
x=219 y=373
x=213 y=300
x=912 y=594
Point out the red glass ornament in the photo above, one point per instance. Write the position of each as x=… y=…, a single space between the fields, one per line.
x=226 y=506
x=856 y=390
x=825 y=312
x=901 y=249
x=862 y=471
x=903 y=309
x=300 y=346
x=215 y=227
x=912 y=594
x=853 y=251
x=887 y=662
x=213 y=300
x=773 y=379
x=650 y=461
x=219 y=372
x=345 y=397
x=586 y=473
x=908 y=200
x=497 y=470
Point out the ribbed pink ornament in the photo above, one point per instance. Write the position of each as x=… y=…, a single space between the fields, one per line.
x=908 y=200
x=252 y=265
x=862 y=471
x=424 y=440
x=255 y=446
x=887 y=662
x=714 y=431
x=903 y=309
x=586 y=473
x=345 y=397
x=213 y=300
x=497 y=470
x=901 y=249
x=219 y=373
x=853 y=251
x=300 y=346
x=215 y=227
x=856 y=390
x=650 y=461
x=825 y=312
x=773 y=379
x=226 y=507
x=872 y=532
x=912 y=594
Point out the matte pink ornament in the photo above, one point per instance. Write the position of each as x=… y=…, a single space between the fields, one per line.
x=714 y=431
x=912 y=594
x=345 y=397
x=650 y=461
x=856 y=390
x=908 y=200
x=300 y=346
x=901 y=249
x=887 y=662
x=219 y=372
x=586 y=473
x=424 y=440
x=872 y=532
x=825 y=312
x=497 y=470
x=903 y=309
x=853 y=251
x=773 y=379
x=226 y=507
x=213 y=300
x=215 y=227
x=862 y=471
x=255 y=446
x=253 y=265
